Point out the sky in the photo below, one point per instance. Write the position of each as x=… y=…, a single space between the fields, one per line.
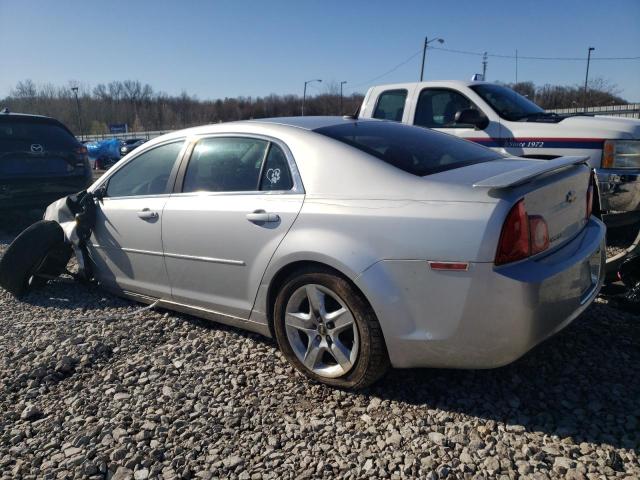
x=217 y=49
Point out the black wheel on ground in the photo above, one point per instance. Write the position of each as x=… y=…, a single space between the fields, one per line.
x=328 y=331
x=38 y=249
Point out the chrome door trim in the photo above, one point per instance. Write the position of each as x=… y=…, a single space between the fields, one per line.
x=224 y=261
x=206 y=259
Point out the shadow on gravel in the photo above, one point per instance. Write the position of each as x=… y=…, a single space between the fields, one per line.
x=583 y=383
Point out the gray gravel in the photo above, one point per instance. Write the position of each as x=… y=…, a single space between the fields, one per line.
x=162 y=395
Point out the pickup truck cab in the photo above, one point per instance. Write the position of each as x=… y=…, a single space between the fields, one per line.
x=499 y=118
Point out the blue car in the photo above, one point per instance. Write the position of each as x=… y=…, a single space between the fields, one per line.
x=40 y=161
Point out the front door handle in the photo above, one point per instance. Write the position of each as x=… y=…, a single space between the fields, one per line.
x=262 y=216
x=147 y=214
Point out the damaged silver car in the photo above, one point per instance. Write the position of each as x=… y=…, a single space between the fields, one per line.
x=358 y=245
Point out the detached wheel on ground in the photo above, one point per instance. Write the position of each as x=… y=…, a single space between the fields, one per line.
x=40 y=249
x=328 y=331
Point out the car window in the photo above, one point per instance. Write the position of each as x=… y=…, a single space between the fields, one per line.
x=415 y=150
x=391 y=105
x=225 y=164
x=146 y=174
x=276 y=174
x=509 y=104
x=437 y=108
x=20 y=135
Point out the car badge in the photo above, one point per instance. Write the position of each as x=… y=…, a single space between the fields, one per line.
x=571 y=196
x=36 y=148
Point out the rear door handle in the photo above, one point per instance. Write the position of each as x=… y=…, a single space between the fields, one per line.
x=147 y=214
x=262 y=216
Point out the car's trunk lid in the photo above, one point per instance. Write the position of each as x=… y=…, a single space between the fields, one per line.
x=555 y=190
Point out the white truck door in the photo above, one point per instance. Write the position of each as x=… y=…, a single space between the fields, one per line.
x=439 y=108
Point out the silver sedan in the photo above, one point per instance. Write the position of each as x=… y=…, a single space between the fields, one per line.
x=358 y=245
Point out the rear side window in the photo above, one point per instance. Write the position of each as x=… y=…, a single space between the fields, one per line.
x=225 y=164
x=390 y=105
x=412 y=149
x=146 y=174
x=21 y=135
x=276 y=174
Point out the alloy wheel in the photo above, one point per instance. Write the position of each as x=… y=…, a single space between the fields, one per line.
x=321 y=331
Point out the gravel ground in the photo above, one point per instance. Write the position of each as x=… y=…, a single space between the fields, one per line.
x=163 y=395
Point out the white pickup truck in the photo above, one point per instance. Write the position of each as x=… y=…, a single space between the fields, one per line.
x=499 y=118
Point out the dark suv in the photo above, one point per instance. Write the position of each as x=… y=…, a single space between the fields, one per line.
x=40 y=161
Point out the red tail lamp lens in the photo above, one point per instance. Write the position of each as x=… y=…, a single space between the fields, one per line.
x=539 y=234
x=515 y=237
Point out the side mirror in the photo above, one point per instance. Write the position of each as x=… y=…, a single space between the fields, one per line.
x=101 y=192
x=473 y=117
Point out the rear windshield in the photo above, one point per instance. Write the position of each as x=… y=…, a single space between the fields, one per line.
x=415 y=150
x=50 y=135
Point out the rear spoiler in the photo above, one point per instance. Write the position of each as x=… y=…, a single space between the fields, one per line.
x=525 y=174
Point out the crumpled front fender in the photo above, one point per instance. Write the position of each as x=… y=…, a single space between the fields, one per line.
x=60 y=212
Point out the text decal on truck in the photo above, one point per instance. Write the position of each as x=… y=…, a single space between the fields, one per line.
x=586 y=143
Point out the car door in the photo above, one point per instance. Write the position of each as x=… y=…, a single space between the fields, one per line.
x=126 y=244
x=237 y=198
x=437 y=107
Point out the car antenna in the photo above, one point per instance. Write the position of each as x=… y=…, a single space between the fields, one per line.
x=353 y=116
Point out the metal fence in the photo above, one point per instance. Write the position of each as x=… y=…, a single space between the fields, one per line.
x=631 y=110
x=124 y=136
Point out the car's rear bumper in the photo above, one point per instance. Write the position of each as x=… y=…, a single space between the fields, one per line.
x=487 y=316
x=38 y=192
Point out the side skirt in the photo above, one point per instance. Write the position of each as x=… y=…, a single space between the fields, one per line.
x=242 y=323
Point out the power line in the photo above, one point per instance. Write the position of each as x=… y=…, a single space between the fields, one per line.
x=517 y=57
x=388 y=71
x=523 y=57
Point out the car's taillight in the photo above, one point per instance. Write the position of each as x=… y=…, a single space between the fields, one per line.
x=590 y=196
x=522 y=235
x=515 y=239
x=82 y=156
x=539 y=234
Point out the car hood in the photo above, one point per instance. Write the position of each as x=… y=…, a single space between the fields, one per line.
x=579 y=127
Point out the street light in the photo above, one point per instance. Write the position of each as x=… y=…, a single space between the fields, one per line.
x=304 y=95
x=341 y=84
x=586 y=79
x=75 y=91
x=424 y=52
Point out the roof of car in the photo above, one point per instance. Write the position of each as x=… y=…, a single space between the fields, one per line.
x=15 y=115
x=309 y=123
x=431 y=83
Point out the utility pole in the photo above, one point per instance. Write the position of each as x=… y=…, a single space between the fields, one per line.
x=516 y=66
x=586 y=79
x=424 y=52
x=341 y=84
x=304 y=94
x=484 y=67
x=75 y=91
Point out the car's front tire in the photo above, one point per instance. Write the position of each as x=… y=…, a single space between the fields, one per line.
x=328 y=331
x=40 y=249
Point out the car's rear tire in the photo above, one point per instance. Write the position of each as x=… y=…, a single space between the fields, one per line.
x=328 y=331
x=40 y=249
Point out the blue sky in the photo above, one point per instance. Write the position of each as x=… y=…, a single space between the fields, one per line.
x=217 y=49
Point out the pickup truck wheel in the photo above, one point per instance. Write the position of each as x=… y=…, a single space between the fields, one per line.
x=40 y=249
x=327 y=331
